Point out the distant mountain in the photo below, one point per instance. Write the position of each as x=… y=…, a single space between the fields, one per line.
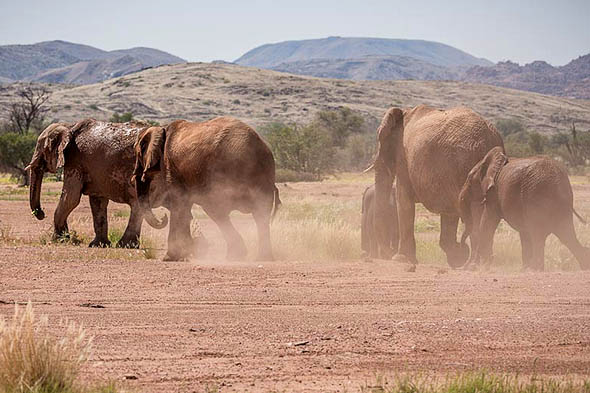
x=371 y=68
x=570 y=80
x=272 y=55
x=66 y=62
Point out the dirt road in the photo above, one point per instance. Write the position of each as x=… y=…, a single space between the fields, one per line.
x=293 y=326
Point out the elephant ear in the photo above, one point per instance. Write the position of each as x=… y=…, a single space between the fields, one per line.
x=495 y=159
x=57 y=139
x=149 y=151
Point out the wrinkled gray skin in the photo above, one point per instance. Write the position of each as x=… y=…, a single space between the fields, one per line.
x=532 y=194
x=97 y=160
x=221 y=165
x=429 y=153
x=369 y=244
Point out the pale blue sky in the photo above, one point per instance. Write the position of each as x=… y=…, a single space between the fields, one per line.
x=522 y=31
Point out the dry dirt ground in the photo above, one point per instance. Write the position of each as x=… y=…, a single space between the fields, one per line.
x=287 y=326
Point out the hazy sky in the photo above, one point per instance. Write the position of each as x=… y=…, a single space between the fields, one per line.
x=522 y=31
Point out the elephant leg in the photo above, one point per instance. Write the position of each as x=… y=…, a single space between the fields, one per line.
x=236 y=249
x=538 y=250
x=406 y=210
x=457 y=253
x=132 y=233
x=526 y=244
x=394 y=229
x=68 y=201
x=487 y=228
x=98 y=206
x=262 y=219
x=180 y=242
x=567 y=235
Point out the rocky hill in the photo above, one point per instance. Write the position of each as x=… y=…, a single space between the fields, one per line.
x=572 y=79
x=66 y=62
x=200 y=91
x=392 y=59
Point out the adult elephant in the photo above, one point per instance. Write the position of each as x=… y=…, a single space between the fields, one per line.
x=222 y=165
x=430 y=152
x=97 y=160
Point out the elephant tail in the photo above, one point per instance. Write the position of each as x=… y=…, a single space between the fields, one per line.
x=276 y=202
x=579 y=216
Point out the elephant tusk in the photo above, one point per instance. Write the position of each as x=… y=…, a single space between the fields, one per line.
x=369 y=168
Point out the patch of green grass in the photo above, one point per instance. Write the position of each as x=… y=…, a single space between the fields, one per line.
x=148 y=247
x=71 y=238
x=115 y=234
x=122 y=213
x=476 y=382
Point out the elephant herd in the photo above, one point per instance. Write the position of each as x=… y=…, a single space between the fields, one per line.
x=451 y=161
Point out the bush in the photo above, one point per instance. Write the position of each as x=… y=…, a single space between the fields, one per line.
x=300 y=149
x=16 y=151
x=508 y=127
x=124 y=118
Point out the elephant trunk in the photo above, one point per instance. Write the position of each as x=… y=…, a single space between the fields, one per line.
x=37 y=173
x=142 y=187
x=384 y=177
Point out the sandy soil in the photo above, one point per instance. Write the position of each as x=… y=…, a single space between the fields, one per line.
x=290 y=326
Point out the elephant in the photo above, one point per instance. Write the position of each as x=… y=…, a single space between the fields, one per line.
x=533 y=195
x=429 y=153
x=222 y=165
x=369 y=244
x=97 y=160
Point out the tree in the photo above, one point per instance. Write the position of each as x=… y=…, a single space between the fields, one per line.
x=300 y=149
x=339 y=124
x=16 y=150
x=28 y=114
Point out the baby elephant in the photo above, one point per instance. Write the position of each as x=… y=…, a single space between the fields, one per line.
x=369 y=243
x=532 y=194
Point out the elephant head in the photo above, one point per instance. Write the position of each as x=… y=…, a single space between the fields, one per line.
x=149 y=152
x=480 y=181
x=49 y=155
x=390 y=139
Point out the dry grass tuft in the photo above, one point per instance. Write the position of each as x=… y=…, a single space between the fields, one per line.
x=32 y=360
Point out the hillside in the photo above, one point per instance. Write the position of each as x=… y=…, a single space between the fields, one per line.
x=273 y=55
x=370 y=68
x=66 y=62
x=200 y=91
x=572 y=79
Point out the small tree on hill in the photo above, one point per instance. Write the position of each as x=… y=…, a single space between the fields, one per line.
x=28 y=113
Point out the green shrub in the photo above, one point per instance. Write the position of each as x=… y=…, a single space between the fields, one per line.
x=124 y=118
x=16 y=151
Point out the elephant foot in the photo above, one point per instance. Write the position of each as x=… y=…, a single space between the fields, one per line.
x=470 y=266
x=128 y=243
x=458 y=256
x=402 y=258
x=100 y=243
